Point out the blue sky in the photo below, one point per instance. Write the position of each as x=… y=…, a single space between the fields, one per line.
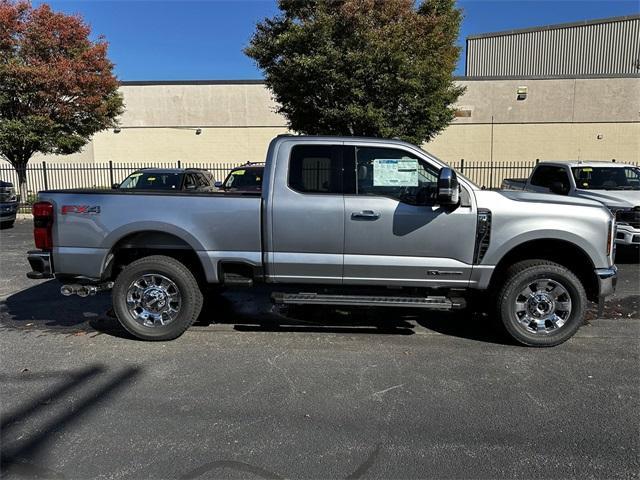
x=196 y=40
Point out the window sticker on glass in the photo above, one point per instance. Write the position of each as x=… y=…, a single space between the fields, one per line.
x=394 y=172
x=239 y=172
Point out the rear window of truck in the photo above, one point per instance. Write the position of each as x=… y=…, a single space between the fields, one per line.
x=316 y=169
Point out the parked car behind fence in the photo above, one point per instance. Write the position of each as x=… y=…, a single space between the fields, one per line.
x=8 y=204
x=246 y=178
x=615 y=185
x=177 y=179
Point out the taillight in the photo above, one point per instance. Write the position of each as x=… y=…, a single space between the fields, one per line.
x=42 y=225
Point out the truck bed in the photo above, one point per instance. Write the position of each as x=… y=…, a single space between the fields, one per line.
x=84 y=236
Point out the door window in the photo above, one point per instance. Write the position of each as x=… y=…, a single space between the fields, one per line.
x=395 y=173
x=544 y=176
x=202 y=180
x=189 y=182
x=315 y=169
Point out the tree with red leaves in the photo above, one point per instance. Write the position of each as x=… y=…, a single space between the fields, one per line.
x=57 y=87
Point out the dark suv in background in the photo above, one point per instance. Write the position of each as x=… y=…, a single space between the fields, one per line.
x=179 y=179
x=8 y=204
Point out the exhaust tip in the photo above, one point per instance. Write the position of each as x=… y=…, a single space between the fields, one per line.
x=83 y=291
x=67 y=290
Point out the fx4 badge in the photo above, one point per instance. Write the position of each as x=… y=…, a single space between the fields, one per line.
x=80 y=209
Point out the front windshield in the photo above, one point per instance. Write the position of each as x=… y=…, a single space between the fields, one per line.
x=607 y=178
x=153 y=181
x=249 y=178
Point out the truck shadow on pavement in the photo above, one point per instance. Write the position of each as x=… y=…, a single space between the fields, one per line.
x=355 y=320
x=42 y=310
x=25 y=439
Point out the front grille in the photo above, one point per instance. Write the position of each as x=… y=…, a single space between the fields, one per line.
x=6 y=194
x=630 y=217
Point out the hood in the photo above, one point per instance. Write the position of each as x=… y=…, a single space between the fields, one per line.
x=549 y=198
x=612 y=198
x=5 y=184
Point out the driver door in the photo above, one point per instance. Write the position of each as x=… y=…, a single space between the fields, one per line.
x=395 y=234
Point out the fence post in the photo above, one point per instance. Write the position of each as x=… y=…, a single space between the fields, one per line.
x=462 y=165
x=179 y=164
x=111 y=182
x=613 y=160
x=44 y=175
x=537 y=161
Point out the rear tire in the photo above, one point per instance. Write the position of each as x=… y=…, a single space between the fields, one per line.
x=541 y=303
x=156 y=298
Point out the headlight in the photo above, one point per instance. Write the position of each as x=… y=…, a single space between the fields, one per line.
x=619 y=214
x=628 y=216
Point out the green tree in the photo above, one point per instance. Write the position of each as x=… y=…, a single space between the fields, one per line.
x=381 y=68
x=57 y=87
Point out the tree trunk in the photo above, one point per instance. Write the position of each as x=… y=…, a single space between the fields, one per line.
x=21 y=169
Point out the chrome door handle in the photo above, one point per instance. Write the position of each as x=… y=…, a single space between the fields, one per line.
x=365 y=215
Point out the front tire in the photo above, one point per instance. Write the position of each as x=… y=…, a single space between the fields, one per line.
x=156 y=298
x=541 y=303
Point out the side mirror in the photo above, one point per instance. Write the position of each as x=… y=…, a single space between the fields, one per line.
x=559 y=188
x=448 y=188
x=218 y=184
x=115 y=186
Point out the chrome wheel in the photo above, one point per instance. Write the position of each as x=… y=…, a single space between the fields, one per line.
x=543 y=306
x=153 y=300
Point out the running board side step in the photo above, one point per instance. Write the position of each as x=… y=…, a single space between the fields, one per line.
x=430 y=303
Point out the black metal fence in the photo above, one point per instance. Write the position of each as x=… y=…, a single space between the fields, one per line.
x=490 y=174
x=48 y=175
x=52 y=176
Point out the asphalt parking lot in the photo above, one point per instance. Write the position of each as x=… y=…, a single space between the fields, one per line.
x=311 y=393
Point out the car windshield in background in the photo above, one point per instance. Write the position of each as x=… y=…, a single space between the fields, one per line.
x=153 y=181
x=250 y=178
x=607 y=178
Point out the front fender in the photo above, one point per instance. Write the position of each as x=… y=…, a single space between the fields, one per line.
x=494 y=255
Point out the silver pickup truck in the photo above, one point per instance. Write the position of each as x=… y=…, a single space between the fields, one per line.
x=339 y=221
x=615 y=185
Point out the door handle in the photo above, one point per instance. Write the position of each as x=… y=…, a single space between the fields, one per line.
x=365 y=215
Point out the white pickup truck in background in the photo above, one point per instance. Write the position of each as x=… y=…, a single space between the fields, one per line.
x=616 y=185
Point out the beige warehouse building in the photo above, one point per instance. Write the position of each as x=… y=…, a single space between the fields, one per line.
x=563 y=103
x=588 y=118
